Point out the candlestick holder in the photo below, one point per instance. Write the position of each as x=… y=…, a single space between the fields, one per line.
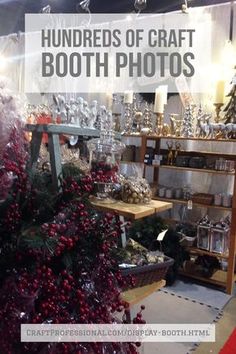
x=159 y=123
x=128 y=119
x=218 y=107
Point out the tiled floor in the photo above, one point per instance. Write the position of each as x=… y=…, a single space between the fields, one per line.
x=224 y=328
x=215 y=297
x=206 y=295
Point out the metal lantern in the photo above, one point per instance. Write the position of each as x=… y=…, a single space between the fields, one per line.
x=203 y=237
x=220 y=240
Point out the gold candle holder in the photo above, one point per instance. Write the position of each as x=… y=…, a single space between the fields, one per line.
x=159 y=123
x=218 y=107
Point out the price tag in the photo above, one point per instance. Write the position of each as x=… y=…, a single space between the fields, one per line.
x=161 y=235
x=190 y=205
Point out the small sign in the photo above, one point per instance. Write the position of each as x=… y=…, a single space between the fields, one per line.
x=161 y=235
x=190 y=205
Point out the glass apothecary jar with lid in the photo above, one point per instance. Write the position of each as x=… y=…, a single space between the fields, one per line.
x=104 y=156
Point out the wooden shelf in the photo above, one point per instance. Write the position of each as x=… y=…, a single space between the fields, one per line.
x=134 y=296
x=69 y=129
x=228 y=156
x=199 y=139
x=207 y=253
x=132 y=211
x=181 y=201
x=225 y=279
x=218 y=278
x=155 y=137
x=189 y=169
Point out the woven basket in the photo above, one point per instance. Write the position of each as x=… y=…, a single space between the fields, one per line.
x=148 y=274
x=203 y=198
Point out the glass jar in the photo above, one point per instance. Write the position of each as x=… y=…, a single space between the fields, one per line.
x=104 y=157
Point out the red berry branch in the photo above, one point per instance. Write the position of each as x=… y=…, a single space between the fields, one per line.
x=56 y=267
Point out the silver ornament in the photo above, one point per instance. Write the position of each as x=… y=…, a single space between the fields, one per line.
x=140 y=5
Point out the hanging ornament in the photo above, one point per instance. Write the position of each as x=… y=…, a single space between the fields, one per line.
x=84 y=5
x=140 y=5
x=46 y=10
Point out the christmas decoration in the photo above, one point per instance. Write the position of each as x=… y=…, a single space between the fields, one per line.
x=187 y=124
x=175 y=125
x=11 y=111
x=203 y=121
x=147 y=119
x=128 y=118
x=230 y=109
x=56 y=264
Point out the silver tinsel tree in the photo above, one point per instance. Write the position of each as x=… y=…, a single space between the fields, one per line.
x=187 y=130
x=230 y=109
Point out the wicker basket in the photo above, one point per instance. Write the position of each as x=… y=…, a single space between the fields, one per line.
x=203 y=198
x=148 y=274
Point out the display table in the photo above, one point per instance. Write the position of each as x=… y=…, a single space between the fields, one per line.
x=136 y=295
x=53 y=131
x=133 y=211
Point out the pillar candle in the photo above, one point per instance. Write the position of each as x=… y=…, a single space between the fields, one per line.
x=220 y=92
x=128 y=97
x=160 y=100
x=109 y=100
x=164 y=89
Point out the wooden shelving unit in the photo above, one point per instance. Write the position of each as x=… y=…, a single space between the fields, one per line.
x=202 y=170
x=218 y=278
x=157 y=137
x=187 y=169
x=199 y=251
x=182 y=201
x=222 y=278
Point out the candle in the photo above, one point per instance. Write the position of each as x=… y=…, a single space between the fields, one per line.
x=109 y=100
x=164 y=89
x=220 y=92
x=128 y=97
x=160 y=99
